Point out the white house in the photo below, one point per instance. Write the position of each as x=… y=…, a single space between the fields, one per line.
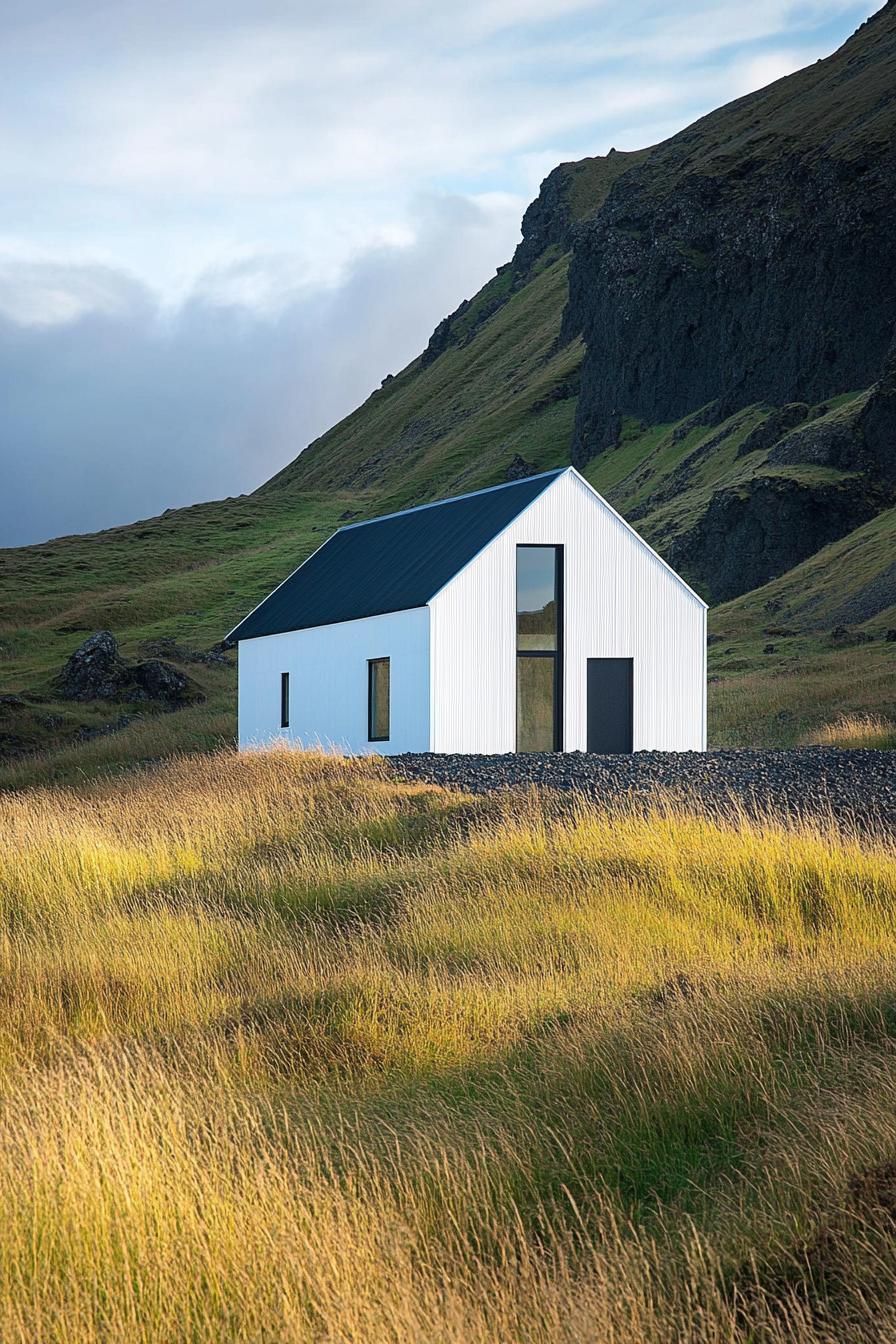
x=527 y=617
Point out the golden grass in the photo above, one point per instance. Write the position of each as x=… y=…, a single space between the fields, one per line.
x=292 y=1051
x=199 y=728
x=781 y=699
x=855 y=730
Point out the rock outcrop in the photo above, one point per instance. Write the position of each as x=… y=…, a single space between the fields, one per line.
x=518 y=468
x=877 y=423
x=568 y=195
x=858 y=437
x=155 y=680
x=167 y=648
x=97 y=671
x=773 y=427
x=752 y=533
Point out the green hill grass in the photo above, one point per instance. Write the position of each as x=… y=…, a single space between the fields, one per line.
x=456 y=424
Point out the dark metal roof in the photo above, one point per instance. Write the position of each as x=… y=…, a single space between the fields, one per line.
x=391 y=563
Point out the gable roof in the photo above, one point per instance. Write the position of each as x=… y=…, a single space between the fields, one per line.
x=391 y=563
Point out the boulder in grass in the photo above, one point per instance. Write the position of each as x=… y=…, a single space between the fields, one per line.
x=157 y=680
x=95 y=671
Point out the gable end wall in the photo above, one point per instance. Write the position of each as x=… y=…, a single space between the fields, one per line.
x=620 y=600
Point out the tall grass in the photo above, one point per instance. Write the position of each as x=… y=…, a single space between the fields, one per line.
x=292 y=1051
x=856 y=730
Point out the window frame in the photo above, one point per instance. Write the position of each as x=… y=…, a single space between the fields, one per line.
x=372 y=664
x=284 y=700
x=555 y=653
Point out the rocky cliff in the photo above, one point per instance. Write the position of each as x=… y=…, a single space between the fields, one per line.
x=568 y=197
x=751 y=257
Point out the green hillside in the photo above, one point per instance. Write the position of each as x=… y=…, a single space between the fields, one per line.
x=456 y=424
x=781 y=514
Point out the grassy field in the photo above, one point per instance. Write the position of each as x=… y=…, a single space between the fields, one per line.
x=290 y=1051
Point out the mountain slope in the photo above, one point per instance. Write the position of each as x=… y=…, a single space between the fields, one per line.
x=576 y=348
x=493 y=381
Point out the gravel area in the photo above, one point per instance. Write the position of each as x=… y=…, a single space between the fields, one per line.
x=857 y=787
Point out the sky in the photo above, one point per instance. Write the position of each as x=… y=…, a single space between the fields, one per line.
x=222 y=223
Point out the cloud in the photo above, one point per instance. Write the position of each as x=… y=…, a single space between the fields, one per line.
x=758 y=71
x=47 y=293
x=225 y=221
x=125 y=408
x=237 y=124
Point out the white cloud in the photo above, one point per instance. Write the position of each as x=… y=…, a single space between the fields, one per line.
x=759 y=71
x=123 y=409
x=50 y=293
x=309 y=183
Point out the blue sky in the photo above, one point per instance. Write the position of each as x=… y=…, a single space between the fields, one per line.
x=223 y=223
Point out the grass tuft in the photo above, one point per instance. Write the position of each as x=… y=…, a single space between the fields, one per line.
x=856 y=730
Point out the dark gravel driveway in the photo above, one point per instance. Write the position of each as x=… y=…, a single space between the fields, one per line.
x=857 y=787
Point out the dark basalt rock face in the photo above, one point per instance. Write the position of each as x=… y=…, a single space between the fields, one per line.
x=550 y=225
x=757 y=531
x=773 y=427
x=877 y=423
x=547 y=222
x=96 y=671
x=751 y=257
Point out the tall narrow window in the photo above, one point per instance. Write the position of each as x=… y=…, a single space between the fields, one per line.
x=378 y=700
x=284 y=699
x=539 y=648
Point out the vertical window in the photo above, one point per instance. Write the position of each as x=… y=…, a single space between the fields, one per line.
x=378 y=700
x=539 y=640
x=284 y=699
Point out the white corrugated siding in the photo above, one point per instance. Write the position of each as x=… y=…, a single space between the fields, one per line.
x=327 y=669
x=620 y=601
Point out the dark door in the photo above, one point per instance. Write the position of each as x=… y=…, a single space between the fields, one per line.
x=610 y=704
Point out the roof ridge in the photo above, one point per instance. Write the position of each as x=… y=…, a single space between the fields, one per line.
x=451 y=499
